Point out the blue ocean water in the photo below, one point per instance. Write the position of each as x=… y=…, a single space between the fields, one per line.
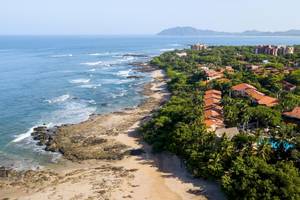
x=56 y=80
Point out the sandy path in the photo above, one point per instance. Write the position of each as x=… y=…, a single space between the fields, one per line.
x=141 y=177
x=160 y=176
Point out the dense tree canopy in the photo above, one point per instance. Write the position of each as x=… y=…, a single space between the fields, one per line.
x=263 y=161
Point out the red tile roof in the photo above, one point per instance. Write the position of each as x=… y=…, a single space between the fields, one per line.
x=213 y=92
x=212 y=96
x=211 y=114
x=294 y=113
x=214 y=122
x=213 y=111
x=268 y=101
x=209 y=102
x=242 y=87
x=254 y=94
x=214 y=107
x=257 y=96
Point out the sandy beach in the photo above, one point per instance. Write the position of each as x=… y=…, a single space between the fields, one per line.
x=105 y=158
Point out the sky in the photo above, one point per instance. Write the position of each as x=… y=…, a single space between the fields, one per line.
x=97 y=17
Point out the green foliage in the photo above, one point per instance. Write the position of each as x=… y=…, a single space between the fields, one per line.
x=253 y=178
x=275 y=65
x=248 y=166
x=294 y=77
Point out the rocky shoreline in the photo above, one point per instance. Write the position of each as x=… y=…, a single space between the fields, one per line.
x=92 y=139
x=106 y=159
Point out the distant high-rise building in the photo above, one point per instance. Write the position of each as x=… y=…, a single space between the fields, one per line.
x=198 y=47
x=274 y=50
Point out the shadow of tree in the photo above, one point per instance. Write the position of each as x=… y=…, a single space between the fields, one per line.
x=171 y=166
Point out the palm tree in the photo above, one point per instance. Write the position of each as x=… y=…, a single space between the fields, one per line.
x=264 y=150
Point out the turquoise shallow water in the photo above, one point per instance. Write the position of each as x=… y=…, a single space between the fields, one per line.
x=63 y=79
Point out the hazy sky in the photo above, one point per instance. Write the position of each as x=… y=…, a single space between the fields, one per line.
x=144 y=17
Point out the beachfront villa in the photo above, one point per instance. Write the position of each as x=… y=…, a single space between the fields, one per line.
x=199 y=47
x=293 y=115
x=213 y=115
x=246 y=90
x=181 y=54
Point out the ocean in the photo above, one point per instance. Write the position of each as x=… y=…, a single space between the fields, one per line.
x=56 y=80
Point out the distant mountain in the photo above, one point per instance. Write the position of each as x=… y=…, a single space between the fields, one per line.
x=190 y=31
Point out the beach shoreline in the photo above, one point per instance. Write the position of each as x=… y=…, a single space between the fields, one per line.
x=125 y=168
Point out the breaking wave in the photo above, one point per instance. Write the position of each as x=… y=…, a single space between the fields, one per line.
x=80 y=80
x=62 y=55
x=59 y=99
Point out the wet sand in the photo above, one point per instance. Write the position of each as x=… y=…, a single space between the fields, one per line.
x=140 y=176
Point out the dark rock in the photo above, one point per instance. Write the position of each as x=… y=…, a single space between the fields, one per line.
x=4 y=172
x=136 y=152
x=136 y=55
x=134 y=77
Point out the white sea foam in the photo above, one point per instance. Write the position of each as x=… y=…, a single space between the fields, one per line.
x=124 y=73
x=95 y=54
x=62 y=55
x=92 y=70
x=104 y=54
x=121 y=94
x=80 y=80
x=121 y=60
x=90 y=86
x=72 y=112
x=165 y=50
x=91 y=101
x=176 y=45
x=93 y=63
x=59 y=99
x=116 y=81
x=27 y=134
x=23 y=136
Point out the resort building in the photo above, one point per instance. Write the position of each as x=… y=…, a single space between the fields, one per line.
x=181 y=54
x=213 y=115
x=228 y=69
x=199 y=47
x=288 y=86
x=240 y=89
x=212 y=74
x=253 y=67
x=213 y=112
x=274 y=50
x=216 y=92
x=229 y=132
x=294 y=115
x=214 y=124
x=257 y=97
